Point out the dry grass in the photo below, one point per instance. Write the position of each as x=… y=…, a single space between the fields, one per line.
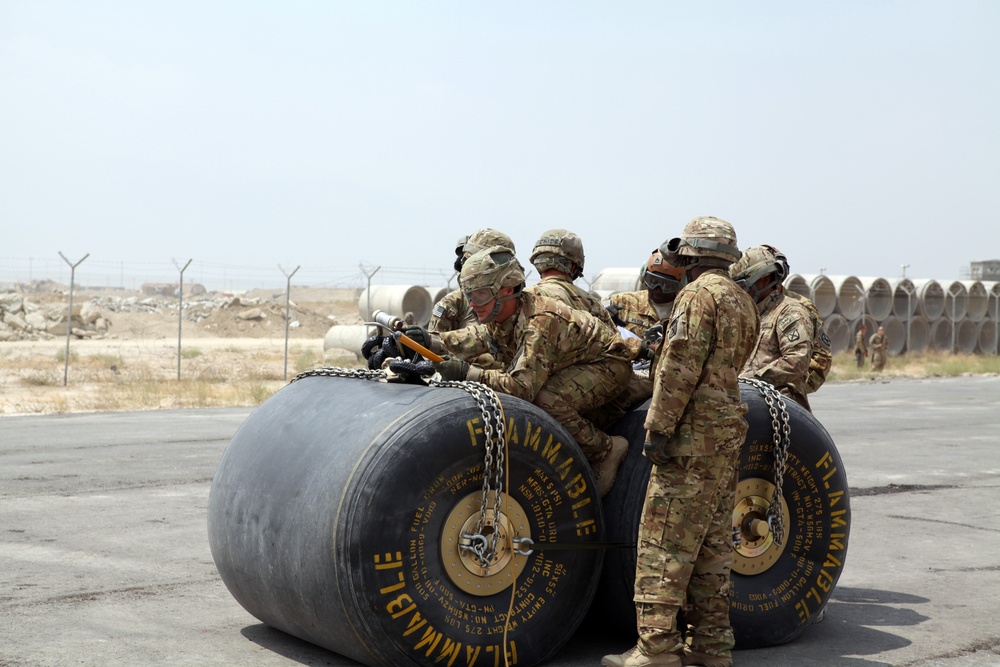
x=144 y=376
x=928 y=364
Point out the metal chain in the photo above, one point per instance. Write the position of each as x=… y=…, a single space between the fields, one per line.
x=333 y=371
x=782 y=430
x=493 y=463
x=496 y=441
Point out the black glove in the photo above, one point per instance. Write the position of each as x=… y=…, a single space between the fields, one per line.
x=410 y=372
x=653 y=335
x=655 y=449
x=376 y=349
x=418 y=335
x=646 y=352
x=452 y=369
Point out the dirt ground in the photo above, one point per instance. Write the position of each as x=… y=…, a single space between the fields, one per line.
x=231 y=354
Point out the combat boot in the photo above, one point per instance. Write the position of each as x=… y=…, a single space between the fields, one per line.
x=605 y=471
x=699 y=659
x=636 y=658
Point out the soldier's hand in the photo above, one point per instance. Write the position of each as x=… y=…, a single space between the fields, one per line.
x=655 y=449
x=452 y=369
x=417 y=334
x=654 y=335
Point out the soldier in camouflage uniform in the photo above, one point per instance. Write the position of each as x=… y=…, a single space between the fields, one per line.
x=558 y=257
x=879 y=344
x=860 y=350
x=695 y=430
x=566 y=361
x=453 y=310
x=785 y=343
x=642 y=313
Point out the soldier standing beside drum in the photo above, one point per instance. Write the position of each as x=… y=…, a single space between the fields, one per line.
x=785 y=344
x=860 y=350
x=695 y=430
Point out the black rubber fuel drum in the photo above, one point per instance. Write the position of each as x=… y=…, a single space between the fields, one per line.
x=338 y=510
x=778 y=590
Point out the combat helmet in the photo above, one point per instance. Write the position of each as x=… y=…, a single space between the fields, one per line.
x=480 y=240
x=659 y=275
x=460 y=252
x=488 y=271
x=756 y=263
x=705 y=241
x=559 y=249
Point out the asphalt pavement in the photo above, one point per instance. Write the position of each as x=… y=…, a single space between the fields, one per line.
x=104 y=556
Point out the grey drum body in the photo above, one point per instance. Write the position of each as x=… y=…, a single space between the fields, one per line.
x=337 y=511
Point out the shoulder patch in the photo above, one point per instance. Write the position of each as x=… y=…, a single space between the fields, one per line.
x=793 y=335
x=678 y=328
x=439 y=310
x=825 y=339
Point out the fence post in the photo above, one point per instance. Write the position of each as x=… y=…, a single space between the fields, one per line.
x=180 y=312
x=69 y=315
x=368 y=292
x=288 y=297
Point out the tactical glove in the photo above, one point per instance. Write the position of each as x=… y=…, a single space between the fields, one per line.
x=452 y=369
x=654 y=335
x=655 y=449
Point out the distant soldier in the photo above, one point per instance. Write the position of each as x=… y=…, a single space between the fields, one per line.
x=695 y=428
x=566 y=362
x=558 y=257
x=860 y=349
x=453 y=310
x=879 y=344
x=784 y=345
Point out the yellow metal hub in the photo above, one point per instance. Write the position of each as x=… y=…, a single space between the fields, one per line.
x=461 y=529
x=757 y=551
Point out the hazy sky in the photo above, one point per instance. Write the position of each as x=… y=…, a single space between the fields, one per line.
x=855 y=136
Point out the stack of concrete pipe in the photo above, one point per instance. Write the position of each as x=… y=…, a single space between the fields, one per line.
x=962 y=316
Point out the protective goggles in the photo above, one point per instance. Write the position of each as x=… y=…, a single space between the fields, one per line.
x=480 y=297
x=666 y=284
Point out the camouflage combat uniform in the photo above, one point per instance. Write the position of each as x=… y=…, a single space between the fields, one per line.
x=561 y=288
x=452 y=312
x=822 y=354
x=784 y=347
x=634 y=312
x=879 y=344
x=860 y=351
x=563 y=360
x=685 y=546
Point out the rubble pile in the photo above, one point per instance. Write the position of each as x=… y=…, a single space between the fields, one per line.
x=21 y=319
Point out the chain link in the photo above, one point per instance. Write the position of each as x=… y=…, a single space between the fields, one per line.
x=781 y=428
x=493 y=463
x=495 y=446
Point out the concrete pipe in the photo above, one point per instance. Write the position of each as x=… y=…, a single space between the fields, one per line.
x=822 y=293
x=904 y=298
x=918 y=335
x=611 y=281
x=346 y=512
x=347 y=337
x=978 y=300
x=895 y=331
x=987 y=335
x=850 y=296
x=798 y=284
x=941 y=335
x=396 y=300
x=966 y=336
x=778 y=589
x=930 y=298
x=993 y=289
x=956 y=300
x=839 y=332
x=441 y=293
x=878 y=297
